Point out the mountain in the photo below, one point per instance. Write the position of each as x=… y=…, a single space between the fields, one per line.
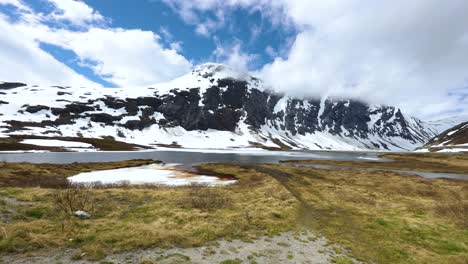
x=454 y=139
x=213 y=106
x=440 y=125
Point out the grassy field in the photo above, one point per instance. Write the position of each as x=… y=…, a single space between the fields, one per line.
x=131 y=218
x=427 y=162
x=380 y=217
x=385 y=217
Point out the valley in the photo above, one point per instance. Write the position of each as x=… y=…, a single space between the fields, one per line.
x=233 y=132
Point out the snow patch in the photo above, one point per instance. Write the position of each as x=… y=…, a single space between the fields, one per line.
x=150 y=174
x=56 y=143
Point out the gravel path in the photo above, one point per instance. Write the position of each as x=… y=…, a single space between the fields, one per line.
x=288 y=247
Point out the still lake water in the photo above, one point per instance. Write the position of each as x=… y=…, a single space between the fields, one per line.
x=188 y=158
x=185 y=156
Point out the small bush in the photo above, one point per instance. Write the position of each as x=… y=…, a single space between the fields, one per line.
x=70 y=200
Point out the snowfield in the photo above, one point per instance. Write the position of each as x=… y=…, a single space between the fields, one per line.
x=150 y=174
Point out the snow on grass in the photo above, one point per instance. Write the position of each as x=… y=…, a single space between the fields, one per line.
x=56 y=143
x=150 y=174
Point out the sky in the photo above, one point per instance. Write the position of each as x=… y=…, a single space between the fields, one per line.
x=409 y=54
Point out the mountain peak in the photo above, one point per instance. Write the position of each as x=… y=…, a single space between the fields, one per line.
x=220 y=71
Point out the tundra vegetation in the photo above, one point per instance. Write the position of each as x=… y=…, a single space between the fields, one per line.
x=376 y=216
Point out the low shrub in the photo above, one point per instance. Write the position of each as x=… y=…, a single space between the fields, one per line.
x=205 y=198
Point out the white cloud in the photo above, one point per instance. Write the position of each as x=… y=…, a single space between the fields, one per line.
x=128 y=57
x=76 y=12
x=233 y=56
x=22 y=60
x=205 y=28
x=271 y=51
x=123 y=57
x=177 y=46
x=194 y=12
x=16 y=3
x=405 y=53
x=411 y=54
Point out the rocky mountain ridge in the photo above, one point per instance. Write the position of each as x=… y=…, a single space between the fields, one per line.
x=214 y=106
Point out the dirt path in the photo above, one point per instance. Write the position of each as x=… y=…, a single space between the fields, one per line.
x=306 y=212
x=8 y=208
x=288 y=247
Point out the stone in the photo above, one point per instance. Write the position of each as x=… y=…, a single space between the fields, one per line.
x=81 y=214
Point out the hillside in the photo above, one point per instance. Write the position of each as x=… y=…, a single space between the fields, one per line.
x=454 y=139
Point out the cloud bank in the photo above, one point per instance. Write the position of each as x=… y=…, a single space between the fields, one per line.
x=120 y=56
x=411 y=54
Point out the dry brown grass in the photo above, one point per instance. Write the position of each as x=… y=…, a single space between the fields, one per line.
x=205 y=198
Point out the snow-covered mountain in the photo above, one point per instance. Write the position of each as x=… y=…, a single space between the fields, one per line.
x=454 y=139
x=211 y=107
x=440 y=125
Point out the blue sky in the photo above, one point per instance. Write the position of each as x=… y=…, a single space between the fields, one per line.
x=250 y=29
x=412 y=55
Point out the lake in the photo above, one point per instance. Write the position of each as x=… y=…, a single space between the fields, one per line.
x=187 y=158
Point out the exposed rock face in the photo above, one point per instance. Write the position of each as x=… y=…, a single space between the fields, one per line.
x=215 y=99
x=36 y=108
x=10 y=85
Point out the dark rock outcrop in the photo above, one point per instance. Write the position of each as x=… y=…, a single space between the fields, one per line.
x=11 y=85
x=36 y=108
